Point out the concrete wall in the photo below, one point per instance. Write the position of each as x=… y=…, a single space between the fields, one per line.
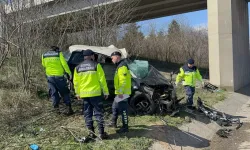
x=228 y=43
x=241 y=53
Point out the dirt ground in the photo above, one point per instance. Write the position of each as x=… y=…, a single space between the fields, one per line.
x=201 y=134
x=236 y=141
x=233 y=142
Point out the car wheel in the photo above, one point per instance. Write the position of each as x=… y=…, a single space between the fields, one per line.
x=142 y=104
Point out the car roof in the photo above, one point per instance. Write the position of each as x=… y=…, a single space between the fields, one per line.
x=97 y=49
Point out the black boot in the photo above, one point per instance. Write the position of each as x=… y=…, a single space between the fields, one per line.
x=103 y=136
x=122 y=130
x=90 y=137
x=69 y=110
x=56 y=109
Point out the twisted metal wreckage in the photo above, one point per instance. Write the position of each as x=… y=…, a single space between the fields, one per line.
x=152 y=93
x=222 y=119
x=172 y=105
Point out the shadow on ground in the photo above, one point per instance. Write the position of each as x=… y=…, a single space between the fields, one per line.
x=244 y=91
x=167 y=134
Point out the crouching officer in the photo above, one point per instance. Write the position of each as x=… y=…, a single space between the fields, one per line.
x=55 y=66
x=89 y=82
x=122 y=83
x=190 y=73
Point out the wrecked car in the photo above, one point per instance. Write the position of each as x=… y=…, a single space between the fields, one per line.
x=151 y=91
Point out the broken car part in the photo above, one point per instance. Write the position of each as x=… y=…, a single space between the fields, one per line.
x=210 y=87
x=221 y=118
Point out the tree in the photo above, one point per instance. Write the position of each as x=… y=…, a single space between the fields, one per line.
x=27 y=33
x=132 y=30
x=100 y=24
x=4 y=49
x=161 y=34
x=173 y=38
x=174 y=28
x=132 y=38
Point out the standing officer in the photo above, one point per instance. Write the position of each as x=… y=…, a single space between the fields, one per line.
x=90 y=82
x=55 y=67
x=122 y=83
x=190 y=74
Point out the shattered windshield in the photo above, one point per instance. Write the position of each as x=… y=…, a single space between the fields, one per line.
x=154 y=77
x=146 y=73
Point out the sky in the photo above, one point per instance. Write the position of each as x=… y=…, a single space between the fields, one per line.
x=195 y=19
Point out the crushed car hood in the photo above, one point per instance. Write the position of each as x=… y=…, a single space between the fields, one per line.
x=101 y=50
x=140 y=69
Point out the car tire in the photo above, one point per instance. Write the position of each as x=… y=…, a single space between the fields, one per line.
x=142 y=104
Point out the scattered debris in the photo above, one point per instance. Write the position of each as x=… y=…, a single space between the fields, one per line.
x=224 y=132
x=34 y=147
x=221 y=118
x=21 y=136
x=81 y=139
x=41 y=130
x=210 y=87
x=174 y=113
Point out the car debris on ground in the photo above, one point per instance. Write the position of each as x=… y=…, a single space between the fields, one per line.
x=151 y=91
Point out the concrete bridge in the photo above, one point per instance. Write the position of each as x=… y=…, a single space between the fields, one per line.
x=228 y=30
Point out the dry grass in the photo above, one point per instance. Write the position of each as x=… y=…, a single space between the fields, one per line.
x=17 y=104
x=17 y=107
x=26 y=118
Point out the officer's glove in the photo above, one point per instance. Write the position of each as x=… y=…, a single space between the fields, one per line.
x=78 y=97
x=176 y=84
x=106 y=97
x=70 y=77
x=203 y=84
x=120 y=96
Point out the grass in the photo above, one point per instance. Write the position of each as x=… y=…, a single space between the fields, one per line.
x=143 y=130
x=54 y=137
x=26 y=118
x=207 y=97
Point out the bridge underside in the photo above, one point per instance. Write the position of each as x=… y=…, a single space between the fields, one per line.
x=144 y=9
x=228 y=30
x=148 y=9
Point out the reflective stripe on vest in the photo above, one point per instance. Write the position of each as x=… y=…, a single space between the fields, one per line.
x=90 y=92
x=51 y=54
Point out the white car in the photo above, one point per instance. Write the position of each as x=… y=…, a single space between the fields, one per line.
x=150 y=89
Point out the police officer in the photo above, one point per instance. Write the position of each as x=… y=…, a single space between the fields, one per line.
x=190 y=73
x=89 y=83
x=122 y=83
x=55 y=67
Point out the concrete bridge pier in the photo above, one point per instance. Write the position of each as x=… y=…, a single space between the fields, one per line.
x=228 y=33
